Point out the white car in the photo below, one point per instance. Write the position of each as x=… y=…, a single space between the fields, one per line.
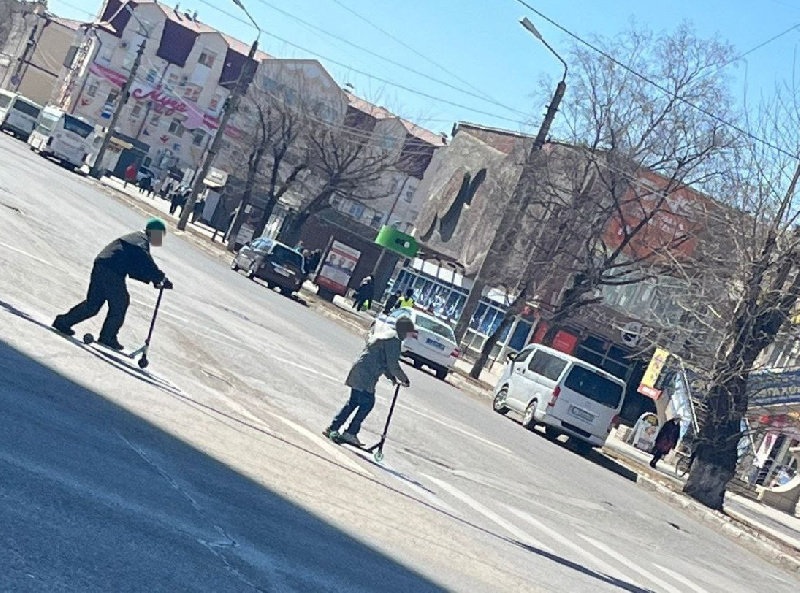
x=435 y=345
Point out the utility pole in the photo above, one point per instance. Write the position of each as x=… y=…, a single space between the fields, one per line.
x=515 y=211
x=97 y=168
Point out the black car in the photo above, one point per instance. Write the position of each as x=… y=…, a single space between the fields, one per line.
x=275 y=263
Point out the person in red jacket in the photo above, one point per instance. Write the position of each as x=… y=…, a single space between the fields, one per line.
x=130 y=174
x=127 y=256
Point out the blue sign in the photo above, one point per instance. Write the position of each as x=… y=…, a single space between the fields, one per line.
x=770 y=388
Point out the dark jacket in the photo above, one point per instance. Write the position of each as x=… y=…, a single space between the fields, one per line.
x=668 y=436
x=366 y=291
x=130 y=256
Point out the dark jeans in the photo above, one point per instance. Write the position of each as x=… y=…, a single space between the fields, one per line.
x=362 y=403
x=104 y=287
x=657 y=455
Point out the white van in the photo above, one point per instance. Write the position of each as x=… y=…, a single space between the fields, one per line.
x=18 y=115
x=565 y=394
x=63 y=136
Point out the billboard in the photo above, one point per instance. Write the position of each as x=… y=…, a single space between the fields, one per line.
x=337 y=267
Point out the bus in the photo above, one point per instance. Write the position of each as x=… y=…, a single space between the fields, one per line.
x=62 y=136
x=17 y=114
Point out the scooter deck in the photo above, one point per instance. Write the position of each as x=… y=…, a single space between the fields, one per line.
x=89 y=340
x=377 y=448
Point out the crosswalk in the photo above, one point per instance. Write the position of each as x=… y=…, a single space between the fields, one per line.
x=599 y=558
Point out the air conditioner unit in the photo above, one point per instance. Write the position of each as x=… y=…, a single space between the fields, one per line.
x=124 y=45
x=184 y=80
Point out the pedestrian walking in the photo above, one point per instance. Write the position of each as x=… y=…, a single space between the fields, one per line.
x=364 y=294
x=177 y=200
x=666 y=440
x=391 y=302
x=197 y=211
x=145 y=185
x=407 y=300
x=130 y=175
x=127 y=256
x=381 y=356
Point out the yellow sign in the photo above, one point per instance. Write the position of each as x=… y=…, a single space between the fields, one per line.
x=648 y=384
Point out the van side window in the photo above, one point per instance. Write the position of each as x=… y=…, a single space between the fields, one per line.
x=547 y=365
x=523 y=355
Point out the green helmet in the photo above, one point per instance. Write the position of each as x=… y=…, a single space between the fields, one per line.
x=156 y=224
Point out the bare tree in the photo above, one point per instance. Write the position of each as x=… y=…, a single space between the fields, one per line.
x=607 y=206
x=274 y=144
x=343 y=161
x=757 y=275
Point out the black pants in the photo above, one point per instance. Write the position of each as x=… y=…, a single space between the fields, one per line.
x=104 y=287
x=657 y=455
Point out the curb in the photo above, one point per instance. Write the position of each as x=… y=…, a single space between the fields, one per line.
x=730 y=523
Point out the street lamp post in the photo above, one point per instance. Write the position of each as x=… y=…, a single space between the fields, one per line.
x=232 y=104
x=519 y=202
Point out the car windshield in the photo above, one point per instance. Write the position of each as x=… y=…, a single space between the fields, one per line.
x=26 y=108
x=440 y=329
x=596 y=387
x=287 y=257
x=73 y=124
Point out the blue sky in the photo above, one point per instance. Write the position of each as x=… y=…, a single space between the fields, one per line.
x=479 y=46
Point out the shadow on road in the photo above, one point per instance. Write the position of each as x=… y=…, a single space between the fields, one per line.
x=96 y=498
x=92 y=475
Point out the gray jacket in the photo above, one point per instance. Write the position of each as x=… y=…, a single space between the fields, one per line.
x=381 y=356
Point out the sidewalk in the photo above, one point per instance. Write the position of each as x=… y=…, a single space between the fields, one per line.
x=779 y=526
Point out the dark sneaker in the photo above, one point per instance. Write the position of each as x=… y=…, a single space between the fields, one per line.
x=328 y=432
x=111 y=343
x=62 y=327
x=351 y=439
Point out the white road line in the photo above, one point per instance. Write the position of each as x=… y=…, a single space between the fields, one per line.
x=456 y=429
x=606 y=568
x=635 y=568
x=521 y=536
x=681 y=579
x=35 y=258
x=325 y=444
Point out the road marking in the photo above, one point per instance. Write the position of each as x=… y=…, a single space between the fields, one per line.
x=599 y=563
x=324 y=443
x=681 y=579
x=456 y=429
x=33 y=257
x=520 y=535
x=624 y=561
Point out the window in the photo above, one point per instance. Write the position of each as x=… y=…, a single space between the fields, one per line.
x=172 y=80
x=199 y=138
x=356 y=210
x=112 y=98
x=176 y=128
x=596 y=387
x=214 y=104
x=192 y=93
x=91 y=90
x=547 y=365
x=524 y=354
x=434 y=326
x=155 y=120
x=377 y=219
x=5 y=101
x=136 y=111
x=76 y=126
x=409 y=195
x=207 y=58
x=152 y=74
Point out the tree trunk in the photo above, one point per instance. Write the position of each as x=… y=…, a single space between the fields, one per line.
x=511 y=313
x=489 y=345
x=470 y=306
x=269 y=208
x=290 y=233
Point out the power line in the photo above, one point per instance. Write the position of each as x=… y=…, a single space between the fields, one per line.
x=414 y=51
x=78 y=8
x=480 y=96
x=363 y=73
x=663 y=89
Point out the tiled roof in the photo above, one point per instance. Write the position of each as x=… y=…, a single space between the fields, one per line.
x=379 y=112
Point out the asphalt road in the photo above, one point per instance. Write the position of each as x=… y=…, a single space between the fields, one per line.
x=209 y=473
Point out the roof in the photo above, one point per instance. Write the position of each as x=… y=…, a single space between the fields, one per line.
x=380 y=113
x=467 y=124
x=68 y=23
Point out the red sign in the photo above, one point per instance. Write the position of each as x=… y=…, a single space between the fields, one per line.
x=650 y=392
x=161 y=103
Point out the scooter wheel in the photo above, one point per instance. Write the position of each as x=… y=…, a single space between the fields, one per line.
x=143 y=362
x=88 y=338
x=378 y=456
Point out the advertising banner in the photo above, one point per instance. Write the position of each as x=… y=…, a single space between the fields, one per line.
x=338 y=267
x=648 y=385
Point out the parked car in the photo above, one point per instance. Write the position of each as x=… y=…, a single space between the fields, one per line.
x=435 y=345
x=144 y=172
x=565 y=394
x=275 y=263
